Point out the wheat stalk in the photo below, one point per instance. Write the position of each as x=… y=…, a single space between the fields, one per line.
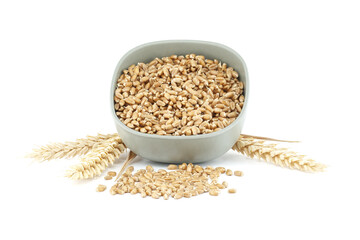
x=266 y=138
x=97 y=160
x=69 y=149
x=103 y=149
x=278 y=156
x=128 y=160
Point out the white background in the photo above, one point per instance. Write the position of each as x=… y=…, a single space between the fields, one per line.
x=56 y=64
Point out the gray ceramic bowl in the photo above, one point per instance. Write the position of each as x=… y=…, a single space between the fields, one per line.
x=178 y=149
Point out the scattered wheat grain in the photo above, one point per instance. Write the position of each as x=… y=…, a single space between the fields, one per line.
x=107 y=177
x=112 y=174
x=229 y=172
x=232 y=190
x=100 y=188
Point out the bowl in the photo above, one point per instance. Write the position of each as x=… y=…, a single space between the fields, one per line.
x=179 y=149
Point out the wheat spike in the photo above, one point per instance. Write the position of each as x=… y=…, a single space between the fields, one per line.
x=278 y=156
x=103 y=149
x=69 y=149
x=97 y=160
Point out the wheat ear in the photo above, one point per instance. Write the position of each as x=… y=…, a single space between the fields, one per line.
x=68 y=149
x=278 y=156
x=97 y=160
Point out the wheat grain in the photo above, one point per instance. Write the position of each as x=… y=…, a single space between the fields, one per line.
x=100 y=188
x=232 y=190
x=107 y=177
x=214 y=192
x=238 y=173
x=229 y=172
x=97 y=160
x=112 y=174
x=68 y=149
x=172 y=167
x=278 y=156
x=186 y=181
x=180 y=96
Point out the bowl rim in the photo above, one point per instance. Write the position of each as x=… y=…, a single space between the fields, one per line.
x=165 y=137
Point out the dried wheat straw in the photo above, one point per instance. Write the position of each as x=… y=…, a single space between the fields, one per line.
x=69 y=149
x=278 y=156
x=97 y=160
x=268 y=139
x=129 y=158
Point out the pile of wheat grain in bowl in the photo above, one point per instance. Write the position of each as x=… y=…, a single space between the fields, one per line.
x=179 y=96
